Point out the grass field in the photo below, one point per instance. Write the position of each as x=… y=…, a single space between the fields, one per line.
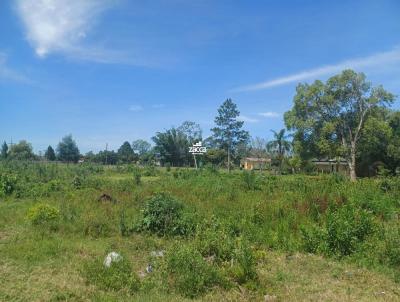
x=208 y=235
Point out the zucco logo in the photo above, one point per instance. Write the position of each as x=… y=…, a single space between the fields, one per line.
x=197 y=149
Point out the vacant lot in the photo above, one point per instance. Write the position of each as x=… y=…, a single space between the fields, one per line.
x=195 y=235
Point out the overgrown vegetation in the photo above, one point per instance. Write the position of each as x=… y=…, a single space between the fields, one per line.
x=203 y=233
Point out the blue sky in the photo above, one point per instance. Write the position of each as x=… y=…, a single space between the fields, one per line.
x=107 y=71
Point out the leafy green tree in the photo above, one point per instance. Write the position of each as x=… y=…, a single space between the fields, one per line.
x=216 y=157
x=228 y=133
x=280 y=145
x=192 y=131
x=21 y=151
x=172 y=147
x=50 y=154
x=328 y=118
x=126 y=153
x=4 y=150
x=67 y=150
x=141 y=146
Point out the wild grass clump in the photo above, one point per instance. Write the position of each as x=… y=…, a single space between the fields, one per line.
x=249 y=180
x=344 y=230
x=119 y=276
x=188 y=273
x=44 y=216
x=213 y=240
x=244 y=264
x=165 y=215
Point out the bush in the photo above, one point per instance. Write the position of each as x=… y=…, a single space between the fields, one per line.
x=249 y=179
x=215 y=242
x=44 y=215
x=137 y=176
x=164 y=215
x=168 y=167
x=244 y=269
x=189 y=273
x=117 y=277
x=344 y=230
x=8 y=184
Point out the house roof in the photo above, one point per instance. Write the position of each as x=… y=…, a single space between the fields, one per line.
x=256 y=159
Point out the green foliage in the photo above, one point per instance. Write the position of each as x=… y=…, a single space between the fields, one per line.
x=21 y=151
x=50 y=154
x=228 y=133
x=164 y=215
x=189 y=273
x=8 y=183
x=119 y=276
x=345 y=229
x=67 y=150
x=4 y=151
x=244 y=268
x=44 y=215
x=215 y=241
x=249 y=179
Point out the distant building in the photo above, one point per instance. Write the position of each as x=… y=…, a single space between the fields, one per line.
x=331 y=166
x=254 y=163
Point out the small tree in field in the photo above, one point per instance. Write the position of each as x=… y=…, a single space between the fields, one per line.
x=4 y=150
x=228 y=133
x=50 y=154
x=67 y=150
x=328 y=118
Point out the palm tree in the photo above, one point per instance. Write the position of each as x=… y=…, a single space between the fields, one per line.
x=280 y=145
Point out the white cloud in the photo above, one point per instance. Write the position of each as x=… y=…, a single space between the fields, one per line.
x=247 y=119
x=9 y=74
x=378 y=60
x=135 y=108
x=158 y=106
x=270 y=114
x=61 y=26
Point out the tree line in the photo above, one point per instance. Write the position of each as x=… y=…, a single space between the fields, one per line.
x=345 y=118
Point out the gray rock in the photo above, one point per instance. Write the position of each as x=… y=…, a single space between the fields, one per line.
x=111 y=257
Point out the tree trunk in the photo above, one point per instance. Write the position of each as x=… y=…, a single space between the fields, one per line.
x=352 y=163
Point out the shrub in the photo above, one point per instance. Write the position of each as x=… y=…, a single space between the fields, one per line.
x=344 y=230
x=44 y=215
x=189 y=273
x=164 y=215
x=168 y=167
x=150 y=170
x=77 y=182
x=137 y=176
x=215 y=242
x=117 y=277
x=7 y=183
x=244 y=269
x=249 y=179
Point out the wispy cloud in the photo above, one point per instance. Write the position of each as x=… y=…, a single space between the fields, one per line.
x=9 y=74
x=247 y=119
x=135 y=108
x=158 y=106
x=377 y=60
x=270 y=114
x=62 y=26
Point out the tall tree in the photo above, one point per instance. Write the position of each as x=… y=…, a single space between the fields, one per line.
x=279 y=145
x=228 y=133
x=126 y=153
x=329 y=117
x=67 y=150
x=21 y=151
x=141 y=146
x=50 y=154
x=172 y=146
x=4 y=150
